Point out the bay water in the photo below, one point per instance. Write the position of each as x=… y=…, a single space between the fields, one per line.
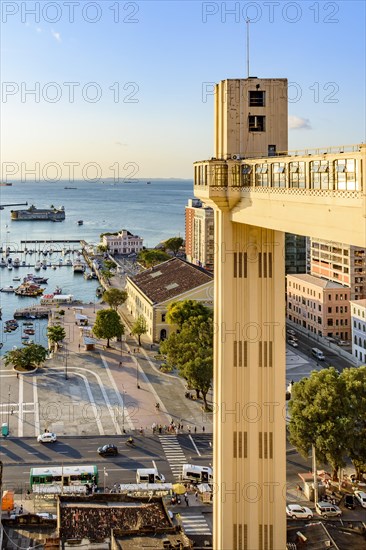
x=154 y=211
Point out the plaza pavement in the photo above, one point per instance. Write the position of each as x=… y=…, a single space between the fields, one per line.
x=107 y=391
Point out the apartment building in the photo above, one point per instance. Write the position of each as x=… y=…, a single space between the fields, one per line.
x=342 y=263
x=319 y=306
x=199 y=234
x=358 y=323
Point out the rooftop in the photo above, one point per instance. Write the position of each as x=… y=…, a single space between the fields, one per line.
x=360 y=303
x=169 y=279
x=317 y=281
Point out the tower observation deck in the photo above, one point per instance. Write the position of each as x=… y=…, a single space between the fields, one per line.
x=259 y=190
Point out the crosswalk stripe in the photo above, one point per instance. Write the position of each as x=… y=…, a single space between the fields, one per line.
x=174 y=454
x=195 y=524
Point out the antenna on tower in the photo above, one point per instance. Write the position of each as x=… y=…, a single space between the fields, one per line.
x=247 y=22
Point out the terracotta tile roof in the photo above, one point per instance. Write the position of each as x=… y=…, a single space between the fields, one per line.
x=169 y=279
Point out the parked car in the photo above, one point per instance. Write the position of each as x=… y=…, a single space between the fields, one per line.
x=47 y=437
x=292 y=338
x=290 y=331
x=293 y=343
x=328 y=510
x=108 y=450
x=361 y=497
x=350 y=502
x=295 y=511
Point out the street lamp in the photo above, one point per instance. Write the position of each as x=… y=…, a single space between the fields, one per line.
x=137 y=375
x=66 y=354
x=8 y=407
x=123 y=409
x=105 y=474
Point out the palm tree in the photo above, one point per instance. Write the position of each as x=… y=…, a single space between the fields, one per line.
x=26 y=358
x=55 y=334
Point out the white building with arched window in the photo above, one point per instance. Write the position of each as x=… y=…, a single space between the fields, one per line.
x=358 y=323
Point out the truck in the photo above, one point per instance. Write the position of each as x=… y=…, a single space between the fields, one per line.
x=149 y=475
x=197 y=474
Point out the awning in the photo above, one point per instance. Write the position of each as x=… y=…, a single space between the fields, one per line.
x=80 y=317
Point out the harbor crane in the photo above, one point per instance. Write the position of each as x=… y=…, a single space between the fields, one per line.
x=2 y=206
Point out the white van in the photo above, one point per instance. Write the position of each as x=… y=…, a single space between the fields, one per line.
x=149 y=475
x=197 y=474
x=318 y=354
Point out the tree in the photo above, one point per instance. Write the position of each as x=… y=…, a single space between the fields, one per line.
x=174 y=244
x=26 y=358
x=108 y=325
x=178 y=312
x=106 y=274
x=114 y=297
x=102 y=248
x=56 y=334
x=354 y=380
x=108 y=264
x=191 y=349
x=149 y=258
x=139 y=327
x=319 y=417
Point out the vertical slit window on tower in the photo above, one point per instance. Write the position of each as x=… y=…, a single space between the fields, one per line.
x=259 y=264
x=270 y=265
x=235 y=439
x=270 y=354
x=245 y=256
x=265 y=547
x=245 y=445
x=235 y=264
x=240 y=537
x=265 y=445
x=271 y=537
x=260 y=445
x=265 y=264
x=265 y=358
x=235 y=536
x=240 y=354
x=245 y=353
x=260 y=354
x=240 y=264
x=235 y=353
x=240 y=445
x=270 y=444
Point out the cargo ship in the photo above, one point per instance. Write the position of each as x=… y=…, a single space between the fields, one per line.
x=39 y=214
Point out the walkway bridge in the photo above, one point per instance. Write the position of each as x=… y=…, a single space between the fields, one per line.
x=318 y=193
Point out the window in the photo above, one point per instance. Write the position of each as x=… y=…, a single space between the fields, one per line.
x=163 y=317
x=257 y=123
x=257 y=98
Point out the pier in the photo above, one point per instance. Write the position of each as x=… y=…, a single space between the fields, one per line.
x=38 y=312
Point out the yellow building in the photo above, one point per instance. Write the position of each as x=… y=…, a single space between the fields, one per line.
x=151 y=292
x=259 y=191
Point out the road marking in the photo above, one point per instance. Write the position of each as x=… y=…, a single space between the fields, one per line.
x=37 y=428
x=194 y=445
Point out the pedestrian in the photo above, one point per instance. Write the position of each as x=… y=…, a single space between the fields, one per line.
x=17 y=374
x=21 y=509
x=79 y=345
x=203 y=429
x=120 y=363
x=195 y=429
x=196 y=495
x=12 y=411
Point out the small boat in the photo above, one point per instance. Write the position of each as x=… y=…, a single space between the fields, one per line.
x=16 y=262
x=69 y=262
x=23 y=263
x=25 y=337
x=148 y=182
x=7 y=289
x=10 y=266
x=58 y=290
x=29 y=331
x=70 y=187
x=37 y=267
x=80 y=222
x=16 y=278
x=27 y=323
x=3 y=262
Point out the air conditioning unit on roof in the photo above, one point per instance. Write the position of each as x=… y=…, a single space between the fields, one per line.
x=237 y=156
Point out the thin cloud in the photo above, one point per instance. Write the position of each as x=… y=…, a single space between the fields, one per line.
x=299 y=123
x=119 y=144
x=56 y=35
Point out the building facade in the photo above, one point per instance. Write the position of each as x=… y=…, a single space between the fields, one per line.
x=200 y=235
x=319 y=306
x=358 y=322
x=123 y=242
x=151 y=292
x=295 y=253
x=339 y=262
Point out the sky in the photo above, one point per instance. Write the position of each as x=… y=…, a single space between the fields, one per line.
x=113 y=88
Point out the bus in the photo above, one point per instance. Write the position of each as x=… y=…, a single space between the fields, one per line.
x=63 y=476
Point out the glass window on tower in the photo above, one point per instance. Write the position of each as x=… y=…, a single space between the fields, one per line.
x=257 y=98
x=257 y=123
